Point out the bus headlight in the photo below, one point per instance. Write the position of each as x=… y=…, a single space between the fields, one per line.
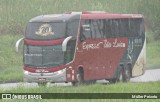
x=61 y=71
x=26 y=72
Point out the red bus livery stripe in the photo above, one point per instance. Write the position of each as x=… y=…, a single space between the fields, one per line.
x=110 y=16
x=40 y=42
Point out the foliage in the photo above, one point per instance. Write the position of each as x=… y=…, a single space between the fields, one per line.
x=11 y=62
x=16 y=13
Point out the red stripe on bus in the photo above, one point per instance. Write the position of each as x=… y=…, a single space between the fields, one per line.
x=110 y=16
x=43 y=70
x=40 y=42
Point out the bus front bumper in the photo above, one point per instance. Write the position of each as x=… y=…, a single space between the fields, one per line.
x=59 y=76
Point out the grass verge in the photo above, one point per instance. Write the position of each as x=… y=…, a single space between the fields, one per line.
x=149 y=87
x=153 y=54
x=10 y=61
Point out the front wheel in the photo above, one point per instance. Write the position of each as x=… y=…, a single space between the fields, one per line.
x=127 y=75
x=111 y=81
x=121 y=76
x=80 y=79
x=124 y=75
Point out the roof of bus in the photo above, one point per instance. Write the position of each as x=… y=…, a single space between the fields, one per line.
x=110 y=16
x=84 y=15
x=104 y=15
x=55 y=18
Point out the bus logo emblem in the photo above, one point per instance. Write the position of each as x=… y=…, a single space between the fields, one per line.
x=44 y=30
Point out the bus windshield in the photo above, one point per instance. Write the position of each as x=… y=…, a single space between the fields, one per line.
x=45 y=31
x=43 y=56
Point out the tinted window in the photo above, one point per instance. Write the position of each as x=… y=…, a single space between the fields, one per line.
x=97 y=28
x=106 y=28
x=43 y=56
x=123 y=27
x=72 y=28
x=94 y=30
x=86 y=32
x=69 y=54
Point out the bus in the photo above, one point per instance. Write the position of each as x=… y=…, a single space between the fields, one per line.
x=80 y=47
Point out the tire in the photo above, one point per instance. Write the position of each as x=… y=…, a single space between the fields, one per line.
x=43 y=84
x=80 y=80
x=127 y=75
x=112 y=81
x=90 y=82
x=121 y=76
x=74 y=83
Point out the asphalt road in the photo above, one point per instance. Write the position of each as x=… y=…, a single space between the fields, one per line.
x=150 y=75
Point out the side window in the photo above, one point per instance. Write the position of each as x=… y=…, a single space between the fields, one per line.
x=97 y=28
x=92 y=29
x=142 y=28
x=131 y=27
x=69 y=55
x=85 y=30
x=72 y=28
x=134 y=26
x=124 y=27
x=106 y=28
x=111 y=28
x=115 y=28
x=139 y=26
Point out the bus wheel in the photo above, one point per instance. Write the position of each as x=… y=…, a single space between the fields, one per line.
x=90 y=82
x=80 y=77
x=80 y=80
x=74 y=83
x=112 y=81
x=127 y=74
x=42 y=84
x=121 y=75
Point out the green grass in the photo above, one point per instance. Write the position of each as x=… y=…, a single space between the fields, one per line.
x=16 y=13
x=150 y=87
x=10 y=61
x=153 y=54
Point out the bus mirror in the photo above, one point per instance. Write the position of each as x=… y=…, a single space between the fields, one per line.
x=64 y=44
x=17 y=43
x=86 y=27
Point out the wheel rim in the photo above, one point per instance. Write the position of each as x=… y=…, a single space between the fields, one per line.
x=121 y=77
x=127 y=76
x=78 y=77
